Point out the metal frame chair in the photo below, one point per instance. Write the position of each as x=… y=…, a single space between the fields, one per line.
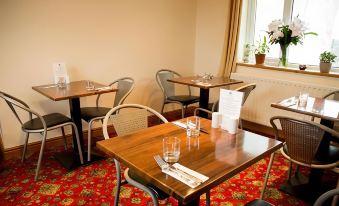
x=125 y=86
x=303 y=139
x=168 y=90
x=126 y=123
x=40 y=124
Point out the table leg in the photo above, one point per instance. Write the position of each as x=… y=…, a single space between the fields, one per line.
x=204 y=98
x=194 y=202
x=74 y=107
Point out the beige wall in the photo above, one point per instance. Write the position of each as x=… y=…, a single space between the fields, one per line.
x=99 y=40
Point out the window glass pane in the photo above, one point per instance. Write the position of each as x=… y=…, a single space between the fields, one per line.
x=321 y=17
x=263 y=18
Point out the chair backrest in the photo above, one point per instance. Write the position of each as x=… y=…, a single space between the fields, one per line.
x=247 y=89
x=15 y=103
x=302 y=137
x=167 y=87
x=322 y=199
x=125 y=86
x=131 y=121
x=332 y=95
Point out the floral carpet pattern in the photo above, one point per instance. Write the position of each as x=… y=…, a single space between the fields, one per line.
x=94 y=185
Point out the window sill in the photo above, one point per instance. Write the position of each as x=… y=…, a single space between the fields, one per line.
x=294 y=70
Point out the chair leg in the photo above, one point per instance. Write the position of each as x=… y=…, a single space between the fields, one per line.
x=289 y=172
x=40 y=155
x=182 y=111
x=25 y=147
x=208 y=198
x=117 y=187
x=267 y=175
x=64 y=137
x=89 y=139
x=78 y=142
x=162 y=108
x=240 y=123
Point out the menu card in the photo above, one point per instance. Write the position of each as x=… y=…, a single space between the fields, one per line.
x=230 y=103
x=59 y=70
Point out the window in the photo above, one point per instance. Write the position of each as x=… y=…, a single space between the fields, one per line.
x=321 y=17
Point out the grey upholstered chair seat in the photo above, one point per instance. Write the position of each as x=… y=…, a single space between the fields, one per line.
x=331 y=156
x=88 y=113
x=184 y=99
x=50 y=119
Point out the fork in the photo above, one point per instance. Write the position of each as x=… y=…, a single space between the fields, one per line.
x=165 y=166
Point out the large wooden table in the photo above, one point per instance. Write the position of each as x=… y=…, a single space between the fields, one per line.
x=204 y=85
x=328 y=111
x=218 y=155
x=72 y=92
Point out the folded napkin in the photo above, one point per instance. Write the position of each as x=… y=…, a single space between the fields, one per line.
x=289 y=102
x=185 y=174
x=103 y=88
x=180 y=124
x=204 y=83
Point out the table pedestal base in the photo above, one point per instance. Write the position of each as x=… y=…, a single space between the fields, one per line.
x=71 y=161
x=300 y=187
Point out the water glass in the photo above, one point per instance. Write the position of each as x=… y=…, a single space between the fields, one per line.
x=303 y=99
x=193 y=126
x=89 y=85
x=171 y=149
x=61 y=82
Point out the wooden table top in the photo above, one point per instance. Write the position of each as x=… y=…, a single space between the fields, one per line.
x=74 y=89
x=218 y=155
x=198 y=81
x=317 y=107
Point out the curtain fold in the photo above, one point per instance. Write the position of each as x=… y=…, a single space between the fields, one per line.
x=229 y=54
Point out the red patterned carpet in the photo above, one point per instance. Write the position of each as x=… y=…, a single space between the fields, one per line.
x=94 y=185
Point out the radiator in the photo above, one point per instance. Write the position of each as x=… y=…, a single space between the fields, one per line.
x=258 y=105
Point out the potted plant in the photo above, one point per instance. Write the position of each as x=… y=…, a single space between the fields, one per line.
x=246 y=53
x=326 y=59
x=260 y=51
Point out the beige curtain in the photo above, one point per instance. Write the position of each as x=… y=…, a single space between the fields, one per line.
x=229 y=55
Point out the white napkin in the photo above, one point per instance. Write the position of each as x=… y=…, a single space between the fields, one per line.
x=180 y=124
x=185 y=180
x=103 y=88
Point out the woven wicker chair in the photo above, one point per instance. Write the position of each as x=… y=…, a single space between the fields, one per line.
x=126 y=123
x=303 y=139
x=125 y=86
x=168 y=90
x=39 y=124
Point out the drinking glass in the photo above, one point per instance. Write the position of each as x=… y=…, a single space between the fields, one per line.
x=61 y=82
x=171 y=149
x=89 y=85
x=303 y=99
x=193 y=126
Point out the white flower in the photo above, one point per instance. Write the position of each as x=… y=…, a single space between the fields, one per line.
x=274 y=25
x=297 y=27
x=277 y=35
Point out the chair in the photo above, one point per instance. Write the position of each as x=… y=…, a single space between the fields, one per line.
x=39 y=124
x=303 y=139
x=168 y=90
x=125 y=86
x=246 y=89
x=127 y=123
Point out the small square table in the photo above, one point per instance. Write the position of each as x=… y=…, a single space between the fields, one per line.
x=218 y=155
x=72 y=92
x=204 y=85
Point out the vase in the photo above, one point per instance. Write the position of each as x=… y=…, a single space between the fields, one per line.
x=283 y=59
x=260 y=58
x=325 y=67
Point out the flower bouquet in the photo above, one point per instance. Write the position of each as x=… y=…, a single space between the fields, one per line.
x=284 y=35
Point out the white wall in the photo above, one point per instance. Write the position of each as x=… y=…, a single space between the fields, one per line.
x=98 y=40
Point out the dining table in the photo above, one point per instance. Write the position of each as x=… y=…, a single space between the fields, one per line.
x=328 y=112
x=214 y=153
x=72 y=92
x=204 y=85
